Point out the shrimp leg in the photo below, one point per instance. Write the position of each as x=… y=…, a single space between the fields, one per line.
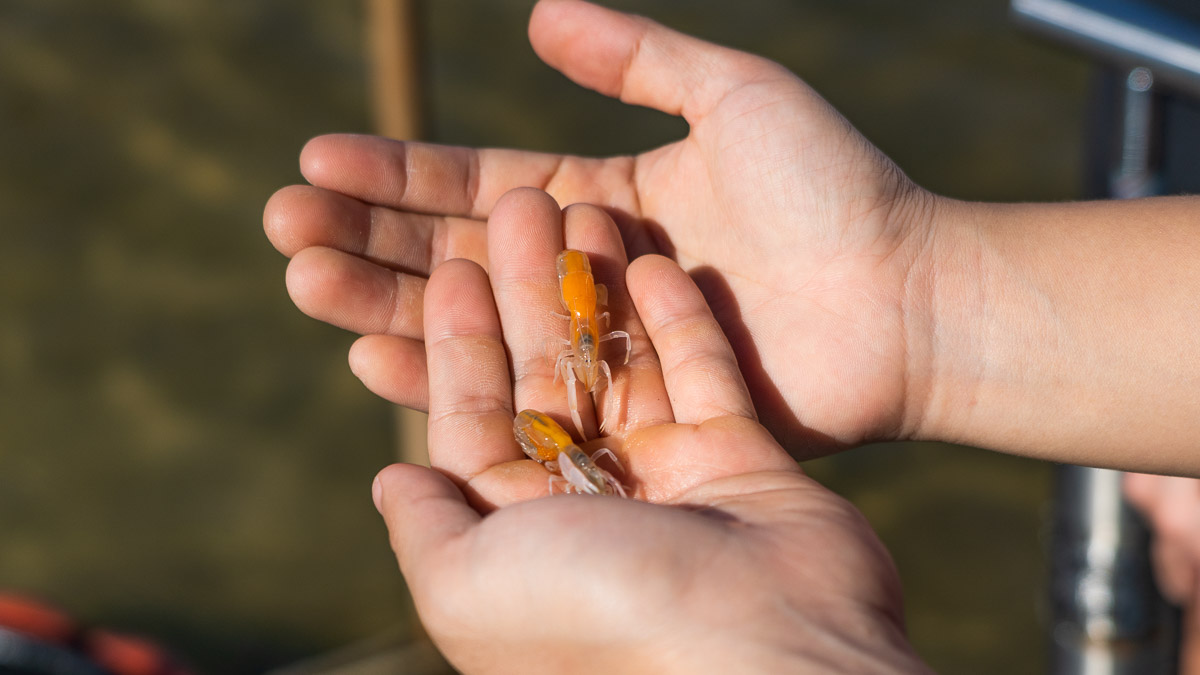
x=602 y=452
x=607 y=376
x=620 y=335
x=568 y=375
x=602 y=301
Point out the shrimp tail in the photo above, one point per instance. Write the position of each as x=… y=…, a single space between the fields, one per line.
x=573 y=400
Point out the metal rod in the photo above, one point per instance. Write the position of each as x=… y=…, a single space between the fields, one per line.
x=1134 y=176
x=1124 y=33
x=1109 y=618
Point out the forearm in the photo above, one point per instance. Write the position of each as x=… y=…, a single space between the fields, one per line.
x=1069 y=332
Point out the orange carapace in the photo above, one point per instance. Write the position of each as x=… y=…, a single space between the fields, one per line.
x=580 y=360
x=547 y=443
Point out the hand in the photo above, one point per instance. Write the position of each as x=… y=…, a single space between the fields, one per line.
x=1171 y=505
x=802 y=236
x=734 y=561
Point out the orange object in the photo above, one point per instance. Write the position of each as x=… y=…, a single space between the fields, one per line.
x=540 y=437
x=36 y=619
x=52 y=632
x=580 y=361
x=544 y=441
x=126 y=655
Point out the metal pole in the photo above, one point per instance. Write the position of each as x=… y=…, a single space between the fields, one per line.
x=1135 y=176
x=393 y=28
x=1108 y=617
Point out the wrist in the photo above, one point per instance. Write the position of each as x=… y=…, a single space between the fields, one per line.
x=944 y=295
x=934 y=233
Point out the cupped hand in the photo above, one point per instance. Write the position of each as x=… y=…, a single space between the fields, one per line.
x=806 y=240
x=729 y=560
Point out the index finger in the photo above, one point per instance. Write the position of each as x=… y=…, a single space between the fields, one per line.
x=423 y=177
x=470 y=394
x=443 y=180
x=525 y=236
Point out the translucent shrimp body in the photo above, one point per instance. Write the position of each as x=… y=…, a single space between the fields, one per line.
x=541 y=437
x=544 y=441
x=580 y=361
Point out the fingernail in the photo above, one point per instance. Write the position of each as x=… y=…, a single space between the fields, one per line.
x=377 y=494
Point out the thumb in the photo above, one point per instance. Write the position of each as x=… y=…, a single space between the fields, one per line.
x=424 y=512
x=639 y=61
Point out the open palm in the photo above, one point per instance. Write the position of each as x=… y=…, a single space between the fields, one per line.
x=801 y=235
x=737 y=552
x=486 y=343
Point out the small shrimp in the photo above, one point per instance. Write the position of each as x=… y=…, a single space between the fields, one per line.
x=547 y=443
x=580 y=360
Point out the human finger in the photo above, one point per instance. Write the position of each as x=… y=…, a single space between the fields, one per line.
x=1174 y=571
x=456 y=181
x=638 y=396
x=1189 y=638
x=470 y=393
x=525 y=237
x=1142 y=490
x=425 y=514
x=698 y=365
x=639 y=61
x=1171 y=505
x=354 y=294
x=392 y=368
x=301 y=216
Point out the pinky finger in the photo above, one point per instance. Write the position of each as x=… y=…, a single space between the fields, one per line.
x=393 y=368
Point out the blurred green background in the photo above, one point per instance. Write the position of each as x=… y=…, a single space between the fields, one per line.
x=185 y=456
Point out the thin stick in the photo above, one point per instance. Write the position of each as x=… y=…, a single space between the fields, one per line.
x=393 y=36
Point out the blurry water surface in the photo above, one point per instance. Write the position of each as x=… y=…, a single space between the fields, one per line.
x=184 y=455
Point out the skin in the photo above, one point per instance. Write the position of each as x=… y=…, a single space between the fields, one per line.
x=858 y=306
x=1172 y=505
x=381 y=214
x=712 y=570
